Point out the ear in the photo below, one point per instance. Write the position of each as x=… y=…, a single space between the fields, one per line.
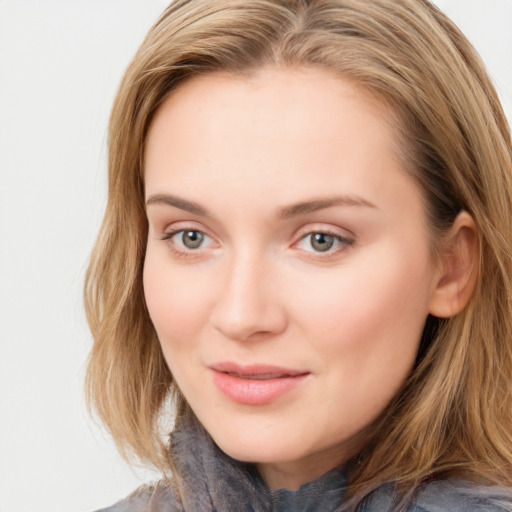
x=458 y=268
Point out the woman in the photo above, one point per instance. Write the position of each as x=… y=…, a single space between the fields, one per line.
x=305 y=262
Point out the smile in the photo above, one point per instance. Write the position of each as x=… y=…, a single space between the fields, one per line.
x=257 y=384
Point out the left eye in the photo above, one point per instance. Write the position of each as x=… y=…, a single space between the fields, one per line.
x=323 y=242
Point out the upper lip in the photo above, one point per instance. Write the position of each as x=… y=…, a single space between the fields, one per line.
x=256 y=370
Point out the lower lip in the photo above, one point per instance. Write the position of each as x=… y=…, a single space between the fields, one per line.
x=254 y=391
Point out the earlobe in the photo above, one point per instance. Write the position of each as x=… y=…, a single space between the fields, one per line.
x=458 y=268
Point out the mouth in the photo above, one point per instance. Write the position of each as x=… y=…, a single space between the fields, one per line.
x=255 y=384
x=261 y=376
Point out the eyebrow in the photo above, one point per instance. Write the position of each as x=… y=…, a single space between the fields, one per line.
x=287 y=212
x=314 y=205
x=177 y=202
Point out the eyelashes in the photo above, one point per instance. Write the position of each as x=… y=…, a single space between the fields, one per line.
x=191 y=242
x=187 y=241
x=324 y=242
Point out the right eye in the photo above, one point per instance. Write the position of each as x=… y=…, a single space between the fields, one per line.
x=185 y=240
x=191 y=239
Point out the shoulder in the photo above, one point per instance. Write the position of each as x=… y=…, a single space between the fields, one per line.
x=148 y=498
x=451 y=495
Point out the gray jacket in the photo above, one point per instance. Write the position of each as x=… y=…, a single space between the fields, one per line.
x=213 y=482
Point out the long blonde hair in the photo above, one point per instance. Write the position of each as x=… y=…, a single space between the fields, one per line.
x=454 y=413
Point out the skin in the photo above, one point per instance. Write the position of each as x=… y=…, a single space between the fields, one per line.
x=256 y=290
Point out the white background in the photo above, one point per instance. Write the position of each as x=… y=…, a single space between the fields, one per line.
x=60 y=63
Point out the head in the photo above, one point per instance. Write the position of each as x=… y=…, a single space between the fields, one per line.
x=449 y=139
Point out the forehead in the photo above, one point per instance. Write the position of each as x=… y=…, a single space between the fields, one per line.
x=283 y=131
x=282 y=96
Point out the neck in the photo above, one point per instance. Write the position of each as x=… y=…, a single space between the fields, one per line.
x=291 y=475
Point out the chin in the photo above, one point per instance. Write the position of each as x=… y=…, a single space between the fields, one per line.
x=259 y=445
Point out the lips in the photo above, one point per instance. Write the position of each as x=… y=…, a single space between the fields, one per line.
x=263 y=376
x=255 y=384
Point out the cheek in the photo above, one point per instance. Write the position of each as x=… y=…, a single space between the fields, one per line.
x=368 y=329
x=173 y=299
x=370 y=312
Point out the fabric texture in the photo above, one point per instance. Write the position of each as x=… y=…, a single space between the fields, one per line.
x=214 y=482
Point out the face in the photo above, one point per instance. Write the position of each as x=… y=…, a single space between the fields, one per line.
x=288 y=272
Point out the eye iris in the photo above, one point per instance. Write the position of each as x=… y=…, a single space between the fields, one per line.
x=322 y=242
x=192 y=239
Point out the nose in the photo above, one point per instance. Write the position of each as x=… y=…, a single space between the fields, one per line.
x=249 y=305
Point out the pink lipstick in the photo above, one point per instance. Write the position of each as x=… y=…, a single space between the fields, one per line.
x=255 y=384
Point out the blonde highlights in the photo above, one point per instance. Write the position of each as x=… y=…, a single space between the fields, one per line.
x=454 y=413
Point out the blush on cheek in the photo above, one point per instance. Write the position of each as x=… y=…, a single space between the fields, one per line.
x=374 y=312
x=176 y=300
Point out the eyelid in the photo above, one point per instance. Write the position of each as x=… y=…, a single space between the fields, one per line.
x=346 y=240
x=176 y=227
x=173 y=232
x=328 y=229
x=177 y=248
